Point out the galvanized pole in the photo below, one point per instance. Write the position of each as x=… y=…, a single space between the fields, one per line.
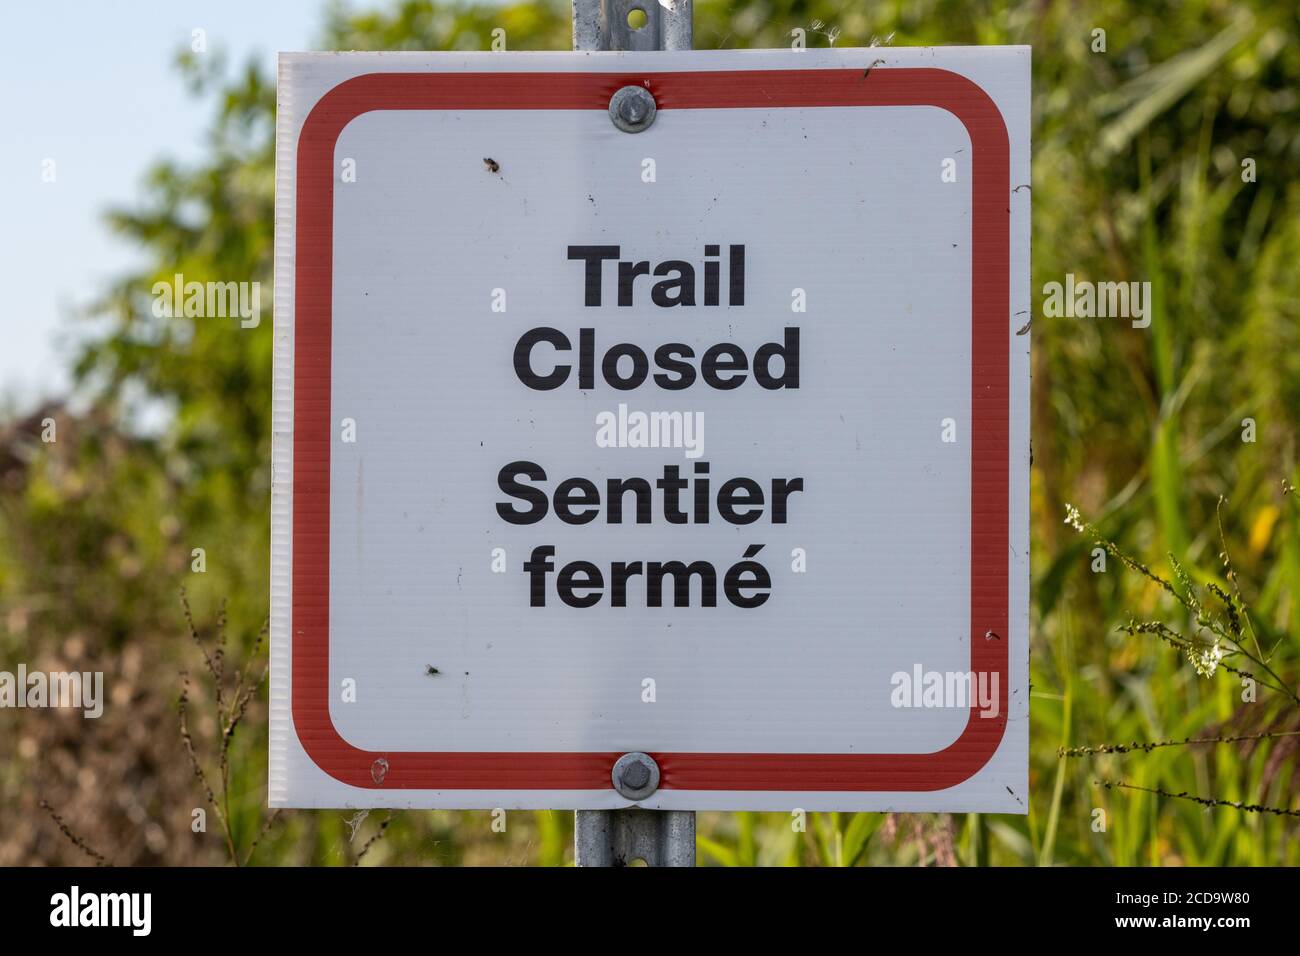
x=620 y=837
x=603 y=25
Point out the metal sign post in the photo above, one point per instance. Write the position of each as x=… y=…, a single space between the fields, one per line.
x=607 y=25
x=619 y=837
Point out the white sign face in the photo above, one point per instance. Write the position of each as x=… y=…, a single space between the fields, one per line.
x=709 y=441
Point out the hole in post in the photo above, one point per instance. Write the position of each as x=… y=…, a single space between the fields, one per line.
x=637 y=18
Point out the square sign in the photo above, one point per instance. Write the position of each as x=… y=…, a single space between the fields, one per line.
x=708 y=440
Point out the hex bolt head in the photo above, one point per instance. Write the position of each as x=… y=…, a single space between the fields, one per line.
x=632 y=109
x=635 y=776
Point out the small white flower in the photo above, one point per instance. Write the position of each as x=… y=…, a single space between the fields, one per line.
x=1073 y=518
x=1205 y=659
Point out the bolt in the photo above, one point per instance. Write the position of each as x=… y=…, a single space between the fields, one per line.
x=632 y=109
x=636 y=776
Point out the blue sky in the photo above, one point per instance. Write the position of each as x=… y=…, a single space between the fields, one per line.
x=92 y=85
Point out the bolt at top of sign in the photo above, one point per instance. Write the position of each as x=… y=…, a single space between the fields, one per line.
x=632 y=109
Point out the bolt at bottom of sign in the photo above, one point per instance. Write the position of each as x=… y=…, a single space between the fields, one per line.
x=635 y=776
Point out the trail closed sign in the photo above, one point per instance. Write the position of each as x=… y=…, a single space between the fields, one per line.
x=696 y=427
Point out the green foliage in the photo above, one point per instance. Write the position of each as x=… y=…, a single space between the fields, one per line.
x=1137 y=175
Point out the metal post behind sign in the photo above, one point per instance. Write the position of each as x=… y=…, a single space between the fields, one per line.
x=603 y=25
x=620 y=837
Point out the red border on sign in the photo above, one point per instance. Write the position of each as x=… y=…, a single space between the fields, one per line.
x=990 y=377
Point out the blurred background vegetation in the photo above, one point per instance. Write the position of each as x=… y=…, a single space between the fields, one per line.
x=1138 y=156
